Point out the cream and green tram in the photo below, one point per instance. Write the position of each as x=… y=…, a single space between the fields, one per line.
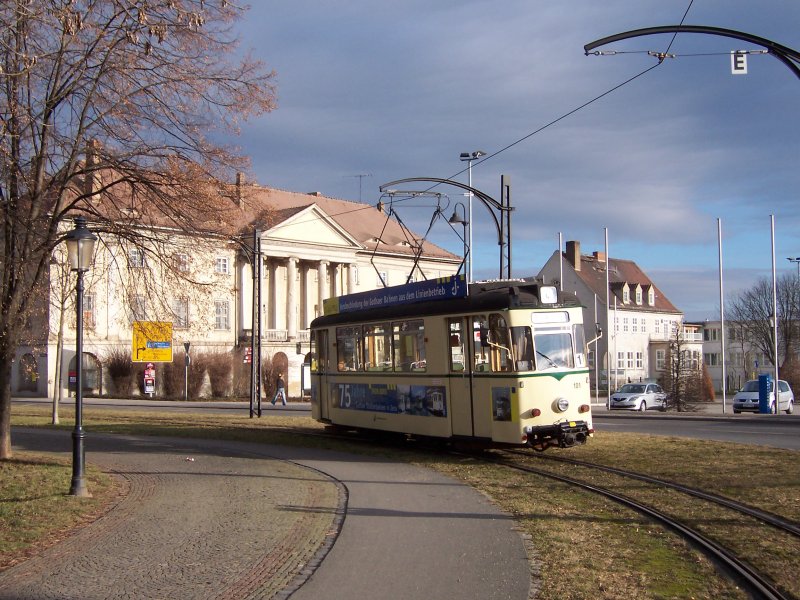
x=501 y=363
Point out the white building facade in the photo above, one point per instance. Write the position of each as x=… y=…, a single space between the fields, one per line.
x=312 y=248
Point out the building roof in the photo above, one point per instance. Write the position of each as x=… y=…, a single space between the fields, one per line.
x=231 y=210
x=593 y=273
x=373 y=229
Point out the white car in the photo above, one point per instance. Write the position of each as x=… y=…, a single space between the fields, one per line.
x=639 y=396
x=746 y=399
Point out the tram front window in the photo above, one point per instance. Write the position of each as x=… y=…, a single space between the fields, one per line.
x=522 y=346
x=553 y=350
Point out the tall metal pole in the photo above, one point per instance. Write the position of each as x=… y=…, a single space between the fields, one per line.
x=78 y=486
x=253 y=326
x=722 y=317
x=560 y=264
x=775 y=387
x=257 y=357
x=608 y=324
x=469 y=219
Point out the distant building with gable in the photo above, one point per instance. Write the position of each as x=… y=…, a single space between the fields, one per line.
x=640 y=321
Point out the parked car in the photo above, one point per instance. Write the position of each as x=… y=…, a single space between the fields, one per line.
x=639 y=396
x=746 y=399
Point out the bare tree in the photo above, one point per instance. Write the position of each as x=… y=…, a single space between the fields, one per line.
x=682 y=378
x=751 y=311
x=146 y=85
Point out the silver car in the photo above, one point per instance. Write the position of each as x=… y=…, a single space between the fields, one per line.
x=746 y=399
x=639 y=396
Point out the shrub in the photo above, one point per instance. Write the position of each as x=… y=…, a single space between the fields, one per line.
x=197 y=373
x=119 y=364
x=173 y=376
x=219 y=366
x=241 y=374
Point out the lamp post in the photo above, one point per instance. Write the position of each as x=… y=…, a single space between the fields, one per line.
x=455 y=220
x=796 y=261
x=80 y=249
x=469 y=157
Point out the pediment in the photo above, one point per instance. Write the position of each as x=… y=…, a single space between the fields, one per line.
x=313 y=227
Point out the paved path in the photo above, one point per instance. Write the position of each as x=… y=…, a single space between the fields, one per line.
x=251 y=521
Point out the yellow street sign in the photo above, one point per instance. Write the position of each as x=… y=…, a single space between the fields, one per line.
x=152 y=341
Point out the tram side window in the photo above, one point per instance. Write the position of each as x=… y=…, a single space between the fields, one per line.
x=457 y=347
x=522 y=346
x=378 y=347
x=409 y=345
x=580 y=346
x=500 y=345
x=348 y=348
x=480 y=342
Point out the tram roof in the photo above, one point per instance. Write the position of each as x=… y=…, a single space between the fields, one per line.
x=486 y=295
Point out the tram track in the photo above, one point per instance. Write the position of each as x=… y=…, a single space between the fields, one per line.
x=757 y=584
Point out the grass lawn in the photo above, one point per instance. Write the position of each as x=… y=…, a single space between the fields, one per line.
x=580 y=545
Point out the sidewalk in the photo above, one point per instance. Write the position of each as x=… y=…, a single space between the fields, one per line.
x=212 y=519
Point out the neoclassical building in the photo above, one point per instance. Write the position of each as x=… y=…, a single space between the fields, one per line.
x=311 y=248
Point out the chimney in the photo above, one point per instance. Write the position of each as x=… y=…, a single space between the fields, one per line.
x=92 y=176
x=574 y=254
x=599 y=256
x=239 y=185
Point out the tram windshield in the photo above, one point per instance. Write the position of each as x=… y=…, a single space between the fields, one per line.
x=553 y=350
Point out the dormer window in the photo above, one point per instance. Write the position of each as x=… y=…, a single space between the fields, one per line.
x=638 y=294
x=626 y=294
x=651 y=296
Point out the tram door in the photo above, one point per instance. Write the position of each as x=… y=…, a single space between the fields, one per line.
x=460 y=376
x=320 y=386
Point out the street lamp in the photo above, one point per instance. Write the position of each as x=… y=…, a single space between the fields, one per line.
x=469 y=157
x=461 y=219
x=796 y=260
x=80 y=250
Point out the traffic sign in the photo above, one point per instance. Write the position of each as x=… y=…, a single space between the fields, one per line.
x=738 y=62
x=152 y=341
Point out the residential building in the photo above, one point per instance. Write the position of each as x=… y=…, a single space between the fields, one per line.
x=744 y=360
x=640 y=321
x=312 y=248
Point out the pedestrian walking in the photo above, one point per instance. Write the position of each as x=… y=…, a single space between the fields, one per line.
x=280 y=390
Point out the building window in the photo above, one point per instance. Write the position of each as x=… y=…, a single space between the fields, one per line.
x=138 y=305
x=180 y=313
x=634 y=325
x=651 y=296
x=136 y=258
x=624 y=324
x=180 y=262
x=643 y=323
x=383 y=279
x=620 y=360
x=638 y=295
x=626 y=295
x=88 y=311
x=658 y=325
x=639 y=360
x=661 y=360
x=221 y=265
x=221 y=314
x=630 y=360
x=710 y=334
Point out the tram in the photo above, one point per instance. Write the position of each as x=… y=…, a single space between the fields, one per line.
x=498 y=363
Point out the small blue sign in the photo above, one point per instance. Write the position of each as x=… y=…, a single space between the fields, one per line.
x=158 y=344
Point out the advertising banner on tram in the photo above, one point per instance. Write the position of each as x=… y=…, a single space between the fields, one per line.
x=421 y=400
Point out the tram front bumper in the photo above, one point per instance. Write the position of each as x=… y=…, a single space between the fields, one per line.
x=563 y=435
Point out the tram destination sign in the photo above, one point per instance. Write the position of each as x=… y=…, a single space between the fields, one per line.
x=442 y=288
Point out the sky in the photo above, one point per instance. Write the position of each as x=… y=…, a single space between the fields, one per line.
x=369 y=93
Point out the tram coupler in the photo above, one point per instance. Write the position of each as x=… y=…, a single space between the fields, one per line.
x=561 y=435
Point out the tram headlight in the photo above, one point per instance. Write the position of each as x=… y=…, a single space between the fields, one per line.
x=562 y=404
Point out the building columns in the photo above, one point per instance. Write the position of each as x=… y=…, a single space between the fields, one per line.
x=291 y=297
